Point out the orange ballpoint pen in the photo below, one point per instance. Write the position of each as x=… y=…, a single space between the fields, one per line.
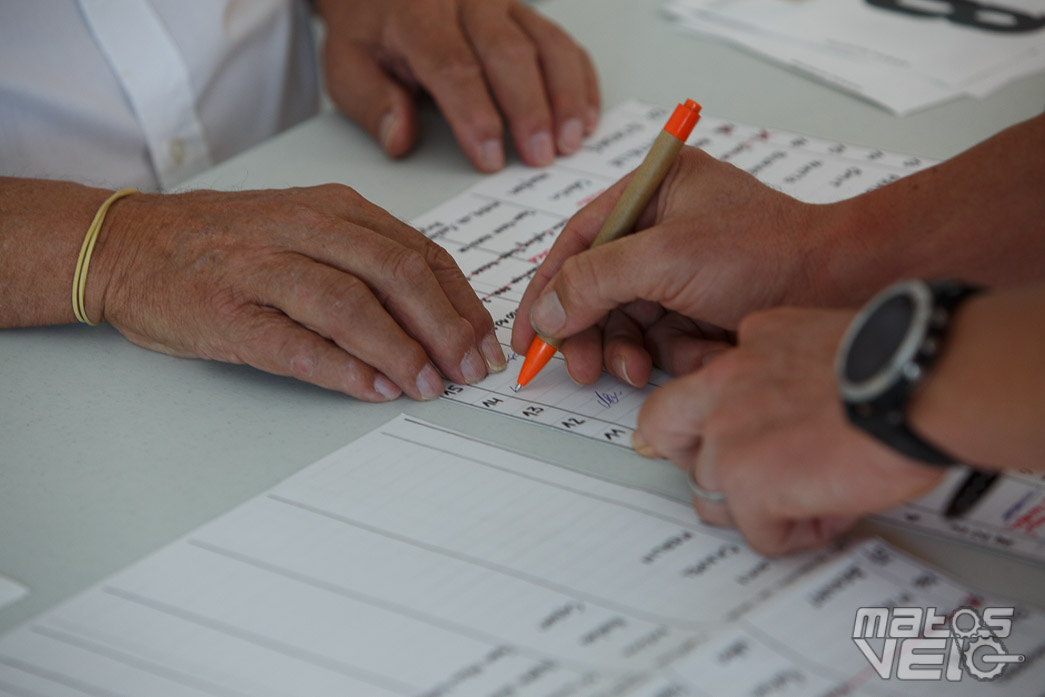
x=621 y=220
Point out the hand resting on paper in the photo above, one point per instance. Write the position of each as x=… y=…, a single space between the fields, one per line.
x=313 y=283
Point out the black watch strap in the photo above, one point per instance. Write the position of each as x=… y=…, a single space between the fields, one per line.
x=901 y=438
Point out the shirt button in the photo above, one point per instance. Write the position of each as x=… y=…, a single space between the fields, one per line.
x=176 y=149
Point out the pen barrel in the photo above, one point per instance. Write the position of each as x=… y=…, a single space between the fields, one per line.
x=640 y=190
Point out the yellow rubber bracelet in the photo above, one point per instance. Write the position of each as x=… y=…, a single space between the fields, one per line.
x=86 y=250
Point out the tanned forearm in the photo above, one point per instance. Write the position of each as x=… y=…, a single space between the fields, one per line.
x=42 y=226
x=979 y=216
x=984 y=401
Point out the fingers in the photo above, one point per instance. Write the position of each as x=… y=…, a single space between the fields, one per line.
x=511 y=64
x=593 y=282
x=431 y=260
x=483 y=58
x=623 y=352
x=440 y=56
x=583 y=355
x=678 y=345
x=342 y=308
x=371 y=97
x=671 y=421
x=571 y=83
x=576 y=237
x=279 y=345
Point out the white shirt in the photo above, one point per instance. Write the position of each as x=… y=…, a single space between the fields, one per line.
x=146 y=93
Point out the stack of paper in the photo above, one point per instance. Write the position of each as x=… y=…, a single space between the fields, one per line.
x=904 y=55
x=419 y=561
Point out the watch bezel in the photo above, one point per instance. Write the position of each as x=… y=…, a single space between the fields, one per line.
x=896 y=369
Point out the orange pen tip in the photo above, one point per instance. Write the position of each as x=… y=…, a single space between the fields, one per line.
x=537 y=356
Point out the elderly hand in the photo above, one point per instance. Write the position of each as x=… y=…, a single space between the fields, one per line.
x=763 y=425
x=313 y=283
x=714 y=244
x=478 y=59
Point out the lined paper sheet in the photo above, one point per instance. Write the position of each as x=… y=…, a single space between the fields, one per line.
x=501 y=229
x=801 y=642
x=1010 y=518
x=419 y=561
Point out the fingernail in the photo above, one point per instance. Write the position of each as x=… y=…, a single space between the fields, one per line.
x=622 y=371
x=542 y=148
x=547 y=315
x=570 y=136
x=387 y=129
x=429 y=384
x=592 y=118
x=386 y=388
x=473 y=367
x=491 y=156
x=638 y=442
x=493 y=353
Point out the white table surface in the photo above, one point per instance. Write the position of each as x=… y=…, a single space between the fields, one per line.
x=108 y=451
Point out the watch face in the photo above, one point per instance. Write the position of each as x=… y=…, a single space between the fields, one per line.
x=882 y=339
x=878 y=340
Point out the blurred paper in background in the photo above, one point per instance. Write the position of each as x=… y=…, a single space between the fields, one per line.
x=904 y=55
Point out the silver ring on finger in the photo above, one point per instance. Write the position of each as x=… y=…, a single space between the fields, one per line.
x=702 y=493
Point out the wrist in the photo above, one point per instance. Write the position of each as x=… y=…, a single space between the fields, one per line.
x=867 y=242
x=983 y=400
x=114 y=246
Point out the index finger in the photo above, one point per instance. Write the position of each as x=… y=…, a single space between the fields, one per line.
x=354 y=209
x=575 y=237
x=444 y=63
x=671 y=421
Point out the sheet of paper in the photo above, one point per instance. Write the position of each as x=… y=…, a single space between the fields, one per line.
x=1010 y=518
x=11 y=591
x=801 y=642
x=419 y=561
x=499 y=231
x=904 y=56
x=412 y=561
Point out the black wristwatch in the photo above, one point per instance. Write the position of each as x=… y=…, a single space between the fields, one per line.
x=884 y=357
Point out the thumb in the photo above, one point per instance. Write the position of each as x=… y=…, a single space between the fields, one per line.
x=590 y=284
x=361 y=88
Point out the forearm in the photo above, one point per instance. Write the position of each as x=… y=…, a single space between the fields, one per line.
x=978 y=216
x=42 y=226
x=984 y=401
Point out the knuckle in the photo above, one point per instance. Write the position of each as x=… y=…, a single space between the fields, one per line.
x=576 y=280
x=333 y=192
x=352 y=292
x=298 y=358
x=456 y=66
x=413 y=358
x=439 y=260
x=462 y=336
x=566 y=102
x=512 y=50
x=405 y=266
